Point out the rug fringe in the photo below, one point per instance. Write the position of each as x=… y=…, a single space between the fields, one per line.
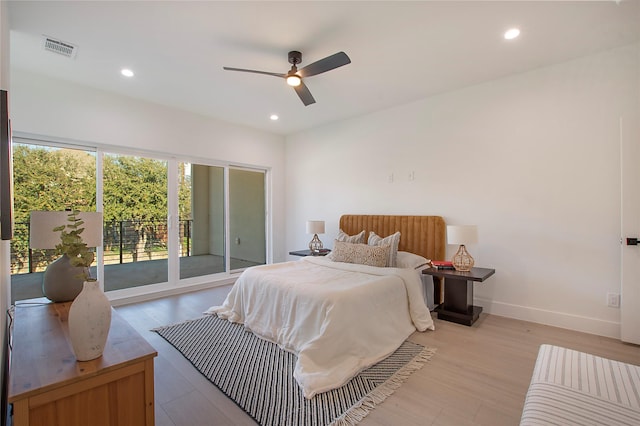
x=362 y=408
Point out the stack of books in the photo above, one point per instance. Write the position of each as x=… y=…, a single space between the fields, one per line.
x=442 y=264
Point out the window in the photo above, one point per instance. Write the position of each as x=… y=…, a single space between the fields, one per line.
x=220 y=210
x=45 y=178
x=135 y=221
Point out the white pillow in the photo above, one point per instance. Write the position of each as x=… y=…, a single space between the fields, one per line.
x=406 y=259
x=353 y=239
x=392 y=240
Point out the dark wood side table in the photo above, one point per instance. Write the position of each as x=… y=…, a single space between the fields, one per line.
x=308 y=253
x=458 y=293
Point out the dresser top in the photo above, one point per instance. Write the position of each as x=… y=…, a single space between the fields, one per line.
x=42 y=356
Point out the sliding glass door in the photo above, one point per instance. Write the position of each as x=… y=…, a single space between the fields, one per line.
x=135 y=221
x=165 y=220
x=203 y=236
x=247 y=218
x=45 y=178
x=202 y=225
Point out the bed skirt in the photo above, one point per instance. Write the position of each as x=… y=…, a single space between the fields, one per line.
x=574 y=388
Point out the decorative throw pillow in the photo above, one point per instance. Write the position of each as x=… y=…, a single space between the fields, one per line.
x=392 y=240
x=353 y=239
x=406 y=259
x=360 y=253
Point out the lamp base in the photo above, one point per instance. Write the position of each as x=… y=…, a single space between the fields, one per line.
x=315 y=245
x=62 y=282
x=462 y=260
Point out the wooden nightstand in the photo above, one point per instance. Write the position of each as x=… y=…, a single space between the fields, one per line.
x=458 y=293
x=308 y=253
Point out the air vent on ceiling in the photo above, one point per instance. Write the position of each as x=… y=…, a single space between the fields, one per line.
x=60 y=47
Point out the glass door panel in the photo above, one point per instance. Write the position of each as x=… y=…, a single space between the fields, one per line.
x=51 y=179
x=202 y=232
x=135 y=221
x=247 y=218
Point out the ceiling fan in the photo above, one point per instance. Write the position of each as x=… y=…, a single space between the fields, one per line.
x=294 y=76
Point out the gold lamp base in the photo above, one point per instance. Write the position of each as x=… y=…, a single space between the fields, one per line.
x=462 y=260
x=315 y=245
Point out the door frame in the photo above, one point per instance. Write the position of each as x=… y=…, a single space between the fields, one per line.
x=630 y=227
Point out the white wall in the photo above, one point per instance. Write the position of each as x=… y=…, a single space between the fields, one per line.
x=58 y=109
x=532 y=159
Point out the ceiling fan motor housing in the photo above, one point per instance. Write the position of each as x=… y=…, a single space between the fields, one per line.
x=295 y=57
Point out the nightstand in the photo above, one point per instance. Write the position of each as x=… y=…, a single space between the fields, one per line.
x=308 y=253
x=458 y=293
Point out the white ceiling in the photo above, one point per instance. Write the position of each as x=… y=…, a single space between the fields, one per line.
x=400 y=51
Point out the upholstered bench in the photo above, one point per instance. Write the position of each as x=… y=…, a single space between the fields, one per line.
x=574 y=388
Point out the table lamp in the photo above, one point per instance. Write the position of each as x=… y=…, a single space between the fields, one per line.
x=462 y=234
x=315 y=227
x=61 y=281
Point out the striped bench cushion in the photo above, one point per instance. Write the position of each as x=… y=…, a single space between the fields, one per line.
x=574 y=388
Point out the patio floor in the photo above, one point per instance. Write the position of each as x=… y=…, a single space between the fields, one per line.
x=126 y=275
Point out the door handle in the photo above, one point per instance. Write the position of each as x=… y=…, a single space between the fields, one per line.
x=632 y=241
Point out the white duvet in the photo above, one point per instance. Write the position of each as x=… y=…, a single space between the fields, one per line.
x=338 y=318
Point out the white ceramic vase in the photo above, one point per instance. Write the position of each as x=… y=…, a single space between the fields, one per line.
x=89 y=322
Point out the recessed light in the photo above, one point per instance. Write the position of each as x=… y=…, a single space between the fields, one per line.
x=126 y=72
x=511 y=33
x=274 y=117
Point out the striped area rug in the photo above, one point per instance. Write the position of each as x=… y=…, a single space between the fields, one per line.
x=258 y=376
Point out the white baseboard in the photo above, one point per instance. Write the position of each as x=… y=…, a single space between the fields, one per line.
x=156 y=291
x=553 y=318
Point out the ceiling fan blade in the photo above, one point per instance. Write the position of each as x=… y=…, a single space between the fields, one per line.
x=305 y=95
x=275 y=74
x=327 y=64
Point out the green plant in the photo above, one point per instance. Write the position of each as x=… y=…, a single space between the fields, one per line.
x=72 y=245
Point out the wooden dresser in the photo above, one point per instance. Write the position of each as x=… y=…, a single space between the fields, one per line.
x=47 y=386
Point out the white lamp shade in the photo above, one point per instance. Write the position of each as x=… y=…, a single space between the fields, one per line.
x=42 y=236
x=315 y=227
x=462 y=234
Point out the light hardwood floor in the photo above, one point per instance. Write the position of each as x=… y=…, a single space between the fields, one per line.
x=479 y=375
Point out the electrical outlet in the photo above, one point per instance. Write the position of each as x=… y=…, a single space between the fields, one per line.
x=390 y=178
x=613 y=300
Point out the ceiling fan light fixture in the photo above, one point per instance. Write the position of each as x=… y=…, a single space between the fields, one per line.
x=511 y=33
x=294 y=80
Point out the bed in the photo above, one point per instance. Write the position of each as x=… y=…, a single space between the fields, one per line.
x=338 y=318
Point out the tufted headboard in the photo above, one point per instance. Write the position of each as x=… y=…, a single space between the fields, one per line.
x=423 y=235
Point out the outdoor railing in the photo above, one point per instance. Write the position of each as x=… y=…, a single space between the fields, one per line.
x=124 y=242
